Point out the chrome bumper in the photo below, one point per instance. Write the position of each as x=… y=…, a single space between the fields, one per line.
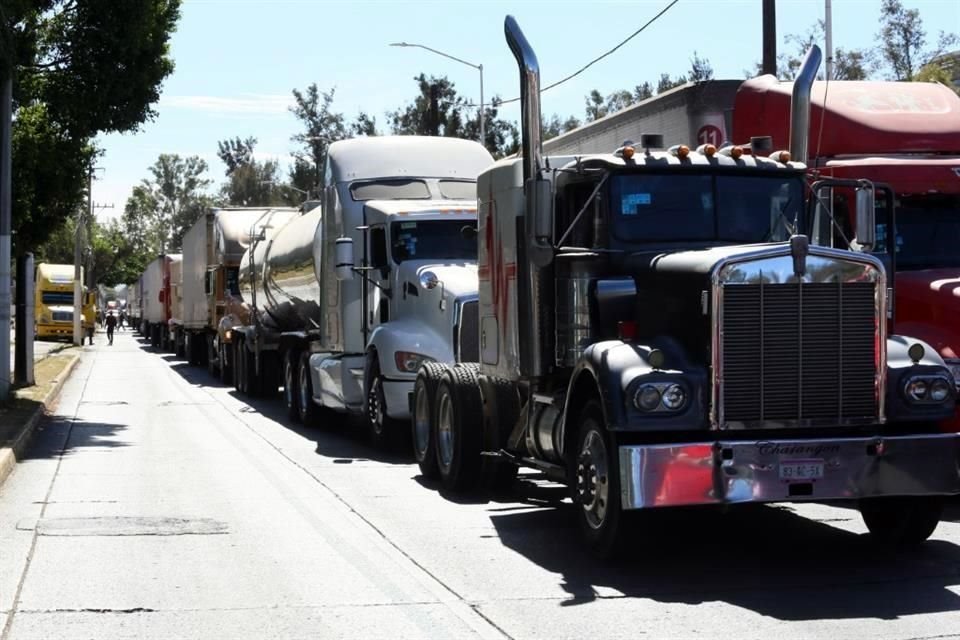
x=726 y=472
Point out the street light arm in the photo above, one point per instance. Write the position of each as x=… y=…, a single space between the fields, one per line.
x=439 y=53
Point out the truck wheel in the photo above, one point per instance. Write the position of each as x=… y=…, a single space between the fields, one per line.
x=424 y=420
x=458 y=433
x=226 y=371
x=595 y=484
x=901 y=521
x=291 y=382
x=235 y=347
x=311 y=413
x=501 y=408
x=381 y=428
x=251 y=385
x=211 y=355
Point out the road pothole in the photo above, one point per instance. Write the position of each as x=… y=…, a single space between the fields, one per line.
x=125 y=526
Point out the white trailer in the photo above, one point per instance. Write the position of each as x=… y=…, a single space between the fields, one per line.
x=348 y=300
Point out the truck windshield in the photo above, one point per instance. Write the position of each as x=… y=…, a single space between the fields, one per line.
x=57 y=297
x=398 y=189
x=928 y=233
x=702 y=207
x=433 y=240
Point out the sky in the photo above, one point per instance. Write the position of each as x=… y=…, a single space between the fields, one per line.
x=237 y=61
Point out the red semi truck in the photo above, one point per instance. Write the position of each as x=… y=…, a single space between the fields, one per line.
x=902 y=134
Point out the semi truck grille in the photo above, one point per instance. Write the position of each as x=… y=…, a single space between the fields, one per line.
x=796 y=352
x=468 y=332
x=63 y=316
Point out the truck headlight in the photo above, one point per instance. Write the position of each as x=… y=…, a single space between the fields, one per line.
x=674 y=397
x=410 y=362
x=932 y=389
x=647 y=398
x=660 y=396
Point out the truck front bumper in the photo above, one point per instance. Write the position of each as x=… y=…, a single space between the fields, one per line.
x=727 y=472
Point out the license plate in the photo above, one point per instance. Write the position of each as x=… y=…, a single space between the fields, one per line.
x=801 y=470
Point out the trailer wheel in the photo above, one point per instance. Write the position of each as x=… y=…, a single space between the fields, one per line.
x=595 y=484
x=901 y=521
x=423 y=420
x=501 y=408
x=381 y=428
x=310 y=411
x=291 y=382
x=459 y=425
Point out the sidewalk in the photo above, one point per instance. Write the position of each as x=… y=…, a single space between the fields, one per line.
x=27 y=405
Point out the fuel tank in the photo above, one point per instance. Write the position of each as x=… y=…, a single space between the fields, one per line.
x=278 y=279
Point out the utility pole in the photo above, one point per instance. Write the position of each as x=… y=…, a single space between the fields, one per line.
x=828 y=29
x=6 y=221
x=769 y=64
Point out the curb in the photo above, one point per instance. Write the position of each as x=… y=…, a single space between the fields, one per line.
x=10 y=454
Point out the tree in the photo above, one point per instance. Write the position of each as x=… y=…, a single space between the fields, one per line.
x=642 y=92
x=700 y=69
x=236 y=153
x=438 y=110
x=848 y=64
x=364 y=125
x=554 y=126
x=322 y=126
x=903 y=40
x=665 y=83
x=169 y=202
x=81 y=68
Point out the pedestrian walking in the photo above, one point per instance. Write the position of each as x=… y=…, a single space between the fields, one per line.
x=123 y=319
x=111 y=325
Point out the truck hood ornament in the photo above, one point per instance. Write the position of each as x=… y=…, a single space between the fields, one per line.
x=799 y=250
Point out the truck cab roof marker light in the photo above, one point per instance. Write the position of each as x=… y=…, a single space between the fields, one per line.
x=680 y=151
x=708 y=150
x=782 y=156
x=733 y=151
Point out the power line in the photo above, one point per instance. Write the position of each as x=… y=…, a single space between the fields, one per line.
x=598 y=58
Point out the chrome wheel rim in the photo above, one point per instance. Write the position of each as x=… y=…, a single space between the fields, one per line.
x=304 y=390
x=421 y=423
x=288 y=383
x=593 y=486
x=445 y=430
x=375 y=405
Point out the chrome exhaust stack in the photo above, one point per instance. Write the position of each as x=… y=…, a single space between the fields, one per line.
x=800 y=105
x=534 y=276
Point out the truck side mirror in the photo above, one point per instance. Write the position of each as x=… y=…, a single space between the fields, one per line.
x=343 y=259
x=866 y=235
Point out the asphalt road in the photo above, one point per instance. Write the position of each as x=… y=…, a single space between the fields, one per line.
x=158 y=504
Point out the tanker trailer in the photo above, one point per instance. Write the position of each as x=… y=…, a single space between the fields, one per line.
x=213 y=248
x=348 y=335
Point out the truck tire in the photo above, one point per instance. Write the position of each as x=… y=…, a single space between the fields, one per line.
x=226 y=371
x=381 y=428
x=211 y=359
x=501 y=408
x=310 y=411
x=901 y=521
x=595 y=484
x=291 y=380
x=235 y=348
x=459 y=425
x=423 y=421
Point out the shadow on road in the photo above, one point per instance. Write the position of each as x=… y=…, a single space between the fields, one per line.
x=50 y=439
x=763 y=558
x=338 y=436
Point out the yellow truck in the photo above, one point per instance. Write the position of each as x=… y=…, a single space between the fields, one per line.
x=53 y=305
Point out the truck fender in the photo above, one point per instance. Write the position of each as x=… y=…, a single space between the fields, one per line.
x=408 y=335
x=900 y=367
x=615 y=368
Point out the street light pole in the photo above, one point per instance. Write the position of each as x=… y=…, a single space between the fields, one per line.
x=478 y=67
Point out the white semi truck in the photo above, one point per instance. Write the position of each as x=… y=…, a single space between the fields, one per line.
x=657 y=330
x=348 y=299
